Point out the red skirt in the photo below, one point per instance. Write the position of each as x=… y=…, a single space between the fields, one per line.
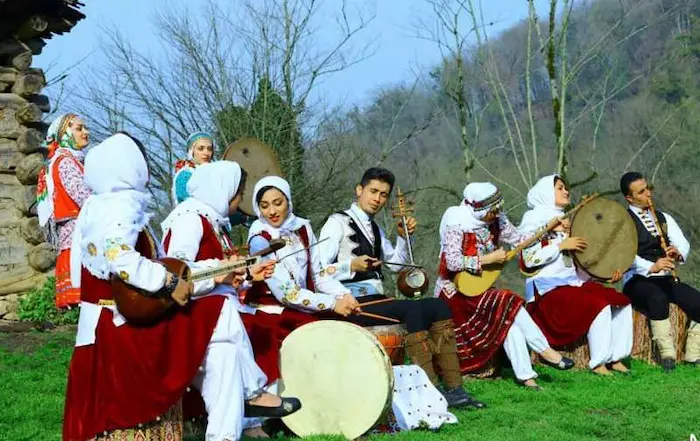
x=481 y=325
x=132 y=375
x=66 y=293
x=565 y=313
x=266 y=333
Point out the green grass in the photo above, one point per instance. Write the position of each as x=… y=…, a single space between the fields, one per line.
x=579 y=406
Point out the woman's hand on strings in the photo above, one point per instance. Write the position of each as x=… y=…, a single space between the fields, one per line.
x=617 y=275
x=411 y=224
x=563 y=225
x=364 y=263
x=498 y=256
x=263 y=271
x=346 y=305
x=573 y=244
x=182 y=292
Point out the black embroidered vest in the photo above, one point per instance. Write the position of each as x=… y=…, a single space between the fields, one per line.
x=365 y=247
x=648 y=246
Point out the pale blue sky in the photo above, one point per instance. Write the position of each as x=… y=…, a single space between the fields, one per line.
x=399 y=54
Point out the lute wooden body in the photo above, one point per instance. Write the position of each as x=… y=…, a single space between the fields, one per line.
x=472 y=285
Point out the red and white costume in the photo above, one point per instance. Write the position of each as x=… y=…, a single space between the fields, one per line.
x=122 y=376
x=561 y=298
x=495 y=318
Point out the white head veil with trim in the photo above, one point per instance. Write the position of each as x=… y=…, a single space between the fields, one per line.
x=479 y=199
x=211 y=189
x=541 y=204
x=117 y=173
x=290 y=224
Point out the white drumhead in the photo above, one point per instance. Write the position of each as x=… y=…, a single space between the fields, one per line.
x=342 y=376
x=415 y=279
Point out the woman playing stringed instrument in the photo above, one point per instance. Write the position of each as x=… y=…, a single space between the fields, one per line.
x=563 y=302
x=122 y=375
x=469 y=237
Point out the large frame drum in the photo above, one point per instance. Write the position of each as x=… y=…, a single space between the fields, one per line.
x=341 y=374
x=611 y=236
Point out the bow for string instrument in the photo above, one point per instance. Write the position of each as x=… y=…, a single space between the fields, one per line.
x=412 y=281
x=662 y=236
x=142 y=308
x=472 y=285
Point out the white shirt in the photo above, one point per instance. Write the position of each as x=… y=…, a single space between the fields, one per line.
x=335 y=232
x=641 y=266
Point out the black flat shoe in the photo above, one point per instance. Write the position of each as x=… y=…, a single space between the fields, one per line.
x=287 y=407
x=668 y=364
x=564 y=364
x=458 y=397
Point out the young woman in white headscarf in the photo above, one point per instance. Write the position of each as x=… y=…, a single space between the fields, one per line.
x=561 y=298
x=61 y=192
x=301 y=290
x=200 y=150
x=470 y=236
x=197 y=231
x=123 y=376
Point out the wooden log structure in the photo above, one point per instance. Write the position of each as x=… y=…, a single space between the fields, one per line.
x=644 y=348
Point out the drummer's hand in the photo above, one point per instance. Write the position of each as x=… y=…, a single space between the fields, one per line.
x=263 y=271
x=673 y=253
x=364 y=263
x=663 y=264
x=410 y=224
x=182 y=292
x=498 y=256
x=346 y=305
x=617 y=275
x=573 y=243
x=564 y=225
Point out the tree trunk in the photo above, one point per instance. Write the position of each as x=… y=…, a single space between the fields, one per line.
x=25 y=199
x=42 y=257
x=33 y=27
x=13 y=47
x=28 y=114
x=22 y=61
x=27 y=170
x=29 y=84
x=31 y=231
x=42 y=101
x=29 y=141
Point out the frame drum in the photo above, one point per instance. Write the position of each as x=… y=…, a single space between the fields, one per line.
x=611 y=236
x=258 y=160
x=342 y=376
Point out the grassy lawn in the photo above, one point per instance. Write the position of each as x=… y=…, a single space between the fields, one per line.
x=649 y=405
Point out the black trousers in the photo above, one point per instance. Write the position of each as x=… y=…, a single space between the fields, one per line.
x=652 y=295
x=415 y=315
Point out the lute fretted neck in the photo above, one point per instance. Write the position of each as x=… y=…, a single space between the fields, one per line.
x=196 y=276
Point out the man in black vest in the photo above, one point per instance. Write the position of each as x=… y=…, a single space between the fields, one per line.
x=650 y=282
x=352 y=248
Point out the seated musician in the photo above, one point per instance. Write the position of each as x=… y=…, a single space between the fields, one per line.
x=651 y=282
x=300 y=283
x=470 y=234
x=352 y=250
x=197 y=231
x=562 y=300
x=200 y=150
x=123 y=376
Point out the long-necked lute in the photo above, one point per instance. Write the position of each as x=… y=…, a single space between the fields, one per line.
x=142 y=308
x=412 y=280
x=472 y=285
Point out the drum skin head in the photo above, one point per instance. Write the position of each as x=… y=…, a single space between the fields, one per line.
x=342 y=376
x=611 y=236
x=258 y=160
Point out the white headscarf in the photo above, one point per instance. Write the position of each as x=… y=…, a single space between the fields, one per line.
x=59 y=141
x=479 y=199
x=290 y=224
x=211 y=188
x=541 y=204
x=117 y=174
